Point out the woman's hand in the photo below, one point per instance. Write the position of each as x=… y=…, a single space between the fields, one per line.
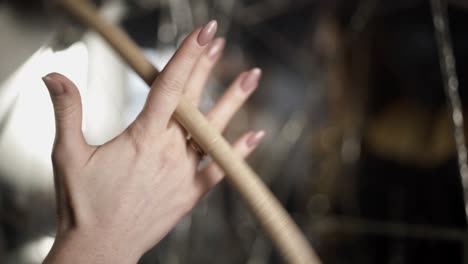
x=118 y=200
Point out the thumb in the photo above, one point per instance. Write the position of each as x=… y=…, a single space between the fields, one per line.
x=68 y=110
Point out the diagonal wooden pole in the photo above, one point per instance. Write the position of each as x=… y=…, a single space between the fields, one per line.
x=284 y=233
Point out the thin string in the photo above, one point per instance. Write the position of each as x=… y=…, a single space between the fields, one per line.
x=451 y=87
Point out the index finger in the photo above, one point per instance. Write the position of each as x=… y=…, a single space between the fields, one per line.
x=168 y=87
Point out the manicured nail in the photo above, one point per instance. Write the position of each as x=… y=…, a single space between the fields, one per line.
x=255 y=138
x=54 y=87
x=215 y=48
x=250 y=81
x=207 y=33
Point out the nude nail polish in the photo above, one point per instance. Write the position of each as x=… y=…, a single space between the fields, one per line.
x=215 y=49
x=255 y=138
x=250 y=81
x=207 y=33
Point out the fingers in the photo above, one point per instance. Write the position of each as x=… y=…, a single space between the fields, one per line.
x=68 y=111
x=202 y=70
x=212 y=174
x=167 y=88
x=234 y=98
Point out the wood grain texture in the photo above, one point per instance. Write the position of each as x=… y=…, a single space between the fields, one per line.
x=284 y=233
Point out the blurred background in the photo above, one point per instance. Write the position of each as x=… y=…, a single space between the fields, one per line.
x=362 y=101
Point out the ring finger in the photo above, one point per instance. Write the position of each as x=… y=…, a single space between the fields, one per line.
x=234 y=98
x=201 y=72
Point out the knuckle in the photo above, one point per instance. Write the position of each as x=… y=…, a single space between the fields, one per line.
x=137 y=136
x=56 y=157
x=170 y=157
x=60 y=155
x=63 y=111
x=139 y=146
x=192 y=55
x=170 y=85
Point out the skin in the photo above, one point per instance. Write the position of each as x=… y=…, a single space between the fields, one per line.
x=118 y=200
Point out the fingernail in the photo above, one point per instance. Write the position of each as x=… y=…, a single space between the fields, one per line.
x=215 y=49
x=207 y=33
x=255 y=138
x=54 y=87
x=251 y=80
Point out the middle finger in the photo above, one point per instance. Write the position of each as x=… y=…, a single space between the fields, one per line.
x=201 y=72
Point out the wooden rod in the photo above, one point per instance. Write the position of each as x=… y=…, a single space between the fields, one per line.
x=284 y=233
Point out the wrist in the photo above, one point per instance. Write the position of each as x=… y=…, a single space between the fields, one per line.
x=86 y=247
